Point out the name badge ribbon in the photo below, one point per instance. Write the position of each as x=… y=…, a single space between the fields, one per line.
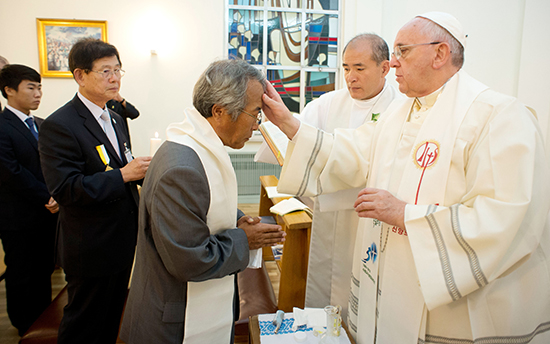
x=128 y=153
x=104 y=156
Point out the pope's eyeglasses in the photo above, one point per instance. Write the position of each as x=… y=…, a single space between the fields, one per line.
x=398 y=53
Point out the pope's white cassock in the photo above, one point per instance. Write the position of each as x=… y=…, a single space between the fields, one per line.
x=473 y=265
x=334 y=219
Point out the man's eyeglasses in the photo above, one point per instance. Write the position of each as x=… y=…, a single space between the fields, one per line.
x=107 y=73
x=398 y=52
x=258 y=117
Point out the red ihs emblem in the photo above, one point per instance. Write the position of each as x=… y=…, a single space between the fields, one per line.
x=425 y=156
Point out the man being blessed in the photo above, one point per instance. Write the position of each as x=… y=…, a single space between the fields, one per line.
x=192 y=239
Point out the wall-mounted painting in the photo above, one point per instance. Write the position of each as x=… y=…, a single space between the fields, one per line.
x=56 y=38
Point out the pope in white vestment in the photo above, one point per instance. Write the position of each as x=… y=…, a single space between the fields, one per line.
x=472 y=262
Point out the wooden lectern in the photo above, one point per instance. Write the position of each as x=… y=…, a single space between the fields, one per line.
x=294 y=262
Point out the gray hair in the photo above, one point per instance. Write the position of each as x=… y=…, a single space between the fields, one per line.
x=379 y=47
x=225 y=83
x=439 y=34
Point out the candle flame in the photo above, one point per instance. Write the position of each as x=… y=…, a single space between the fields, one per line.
x=156 y=134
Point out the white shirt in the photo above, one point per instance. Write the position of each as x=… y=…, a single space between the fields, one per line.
x=94 y=109
x=21 y=116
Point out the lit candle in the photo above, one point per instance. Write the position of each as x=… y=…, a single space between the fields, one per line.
x=155 y=144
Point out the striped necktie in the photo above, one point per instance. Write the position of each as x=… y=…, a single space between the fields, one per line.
x=110 y=131
x=30 y=123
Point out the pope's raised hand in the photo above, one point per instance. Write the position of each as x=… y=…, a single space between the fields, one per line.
x=277 y=112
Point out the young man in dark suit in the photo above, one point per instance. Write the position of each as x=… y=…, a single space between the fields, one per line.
x=90 y=171
x=27 y=220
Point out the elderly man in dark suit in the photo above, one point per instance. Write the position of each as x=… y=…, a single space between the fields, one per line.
x=90 y=171
x=27 y=220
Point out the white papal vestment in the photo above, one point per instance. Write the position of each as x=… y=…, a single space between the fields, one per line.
x=473 y=263
x=334 y=219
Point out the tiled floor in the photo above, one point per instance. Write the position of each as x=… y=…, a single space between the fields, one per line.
x=8 y=334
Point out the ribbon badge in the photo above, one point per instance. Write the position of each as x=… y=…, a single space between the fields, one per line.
x=103 y=154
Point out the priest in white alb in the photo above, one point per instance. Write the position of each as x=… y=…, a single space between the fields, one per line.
x=454 y=241
x=365 y=61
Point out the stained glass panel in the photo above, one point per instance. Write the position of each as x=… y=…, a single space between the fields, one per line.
x=322 y=5
x=322 y=40
x=284 y=37
x=245 y=35
x=318 y=83
x=284 y=43
x=246 y=2
x=287 y=84
x=297 y=4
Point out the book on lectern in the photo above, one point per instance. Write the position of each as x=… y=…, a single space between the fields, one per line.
x=288 y=206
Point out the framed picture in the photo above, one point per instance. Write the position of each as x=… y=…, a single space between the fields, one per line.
x=56 y=38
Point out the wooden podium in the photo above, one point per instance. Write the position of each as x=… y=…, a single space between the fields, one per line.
x=294 y=261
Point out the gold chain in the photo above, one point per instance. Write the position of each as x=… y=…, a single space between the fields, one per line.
x=382 y=249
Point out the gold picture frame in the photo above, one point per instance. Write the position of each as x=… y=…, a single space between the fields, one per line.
x=56 y=38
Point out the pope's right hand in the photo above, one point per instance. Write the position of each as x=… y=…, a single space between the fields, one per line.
x=277 y=112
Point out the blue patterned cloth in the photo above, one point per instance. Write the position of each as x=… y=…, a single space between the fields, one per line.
x=267 y=328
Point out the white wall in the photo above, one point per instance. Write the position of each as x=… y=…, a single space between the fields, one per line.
x=188 y=35
x=508 y=40
x=533 y=85
x=494 y=28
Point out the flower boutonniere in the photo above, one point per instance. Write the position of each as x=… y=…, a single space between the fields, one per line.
x=374 y=117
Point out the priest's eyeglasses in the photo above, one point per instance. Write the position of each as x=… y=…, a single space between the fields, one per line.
x=107 y=73
x=398 y=50
x=258 y=117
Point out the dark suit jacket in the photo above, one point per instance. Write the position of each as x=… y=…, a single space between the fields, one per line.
x=23 y=191
x=98 y=211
